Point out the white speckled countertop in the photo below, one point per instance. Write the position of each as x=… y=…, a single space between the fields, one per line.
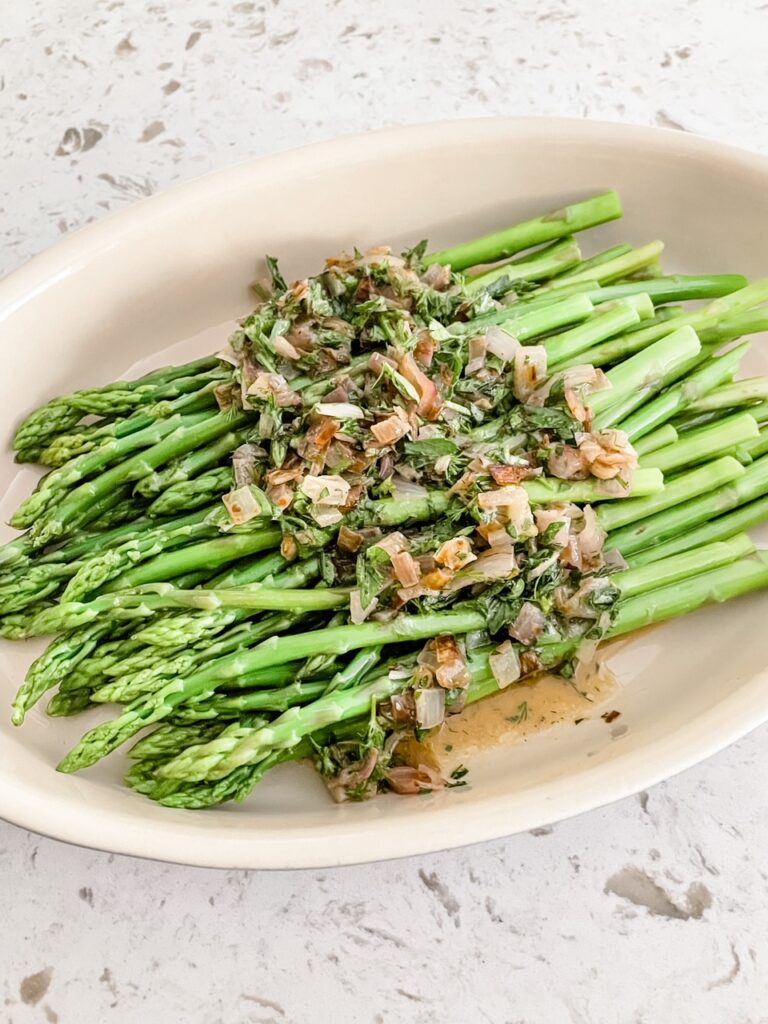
x=652 y=911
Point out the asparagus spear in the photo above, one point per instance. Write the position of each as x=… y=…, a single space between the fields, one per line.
x=64 y=412
x=66 y=515
x=558 y=224
x=620 y=266
x=721 y=528
x=705 y=443
x=216 y=759
x=189 y=494
x=541 y=265
x=712 y=501
x=53 y=486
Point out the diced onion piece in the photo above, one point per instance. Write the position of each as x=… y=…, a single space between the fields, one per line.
x=430 y=706
x=591 y=539
x=529 y=624
x=393 y=543
x=477 y=349
x=410 y=781
x=495 y=535
x=608 y=454
x=273 y=385
x=513 y=500
x=437 y=579
x=285 y=349
x=340 y=410
x=391 y=429
x=455 y=553
x=349 y=540
x=227 y=355
x=326 y=490
x=430 y=401
x=510 y=473
x=530 y=370
x=496 y=564
x=442 y=464
x=244 y=461
x=326 y=515
x=546 y=517
x=505 y=665
x=567 y=463
x=406 y=569
x=501 y=344
x=242 y=505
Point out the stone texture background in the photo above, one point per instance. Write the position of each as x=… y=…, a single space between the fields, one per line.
x=652 y=911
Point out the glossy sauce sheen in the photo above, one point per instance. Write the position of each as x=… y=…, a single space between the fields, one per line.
x=517 y=713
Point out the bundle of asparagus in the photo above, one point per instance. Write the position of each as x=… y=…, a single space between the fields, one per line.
x=404 y=484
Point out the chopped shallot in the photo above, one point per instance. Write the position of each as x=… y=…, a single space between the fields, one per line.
x=501 y=344
x=530 y=370
x=242 y=505
x=430 y=402
x=567 y=463
x=244 y=461
x=608 y=454
x=406 y=569
x=349 y=540
x=410 y=781
x=430 y=706
x=393 y=543
x=477 y=349
x=391 y=429
x=529 y=624
x=505 y=664
x=455 y=553
x=285 y=349
x=437 y=276
x=340 y=410
x=326 y=490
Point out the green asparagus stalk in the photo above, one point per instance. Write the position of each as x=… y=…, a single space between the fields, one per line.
x=557 y=224
x=547 y=490
x=638 y=579
x=678 y=489
x=655 y=413
x=191 y=465
x=218 y=758
x=156 y=596
x=705 y=443
x=659 y=438
x=64 y=412
x=90 y=437
x=66 y=515
x=56 y=662
x=189 y=494
x=646 y=370
x=709 y=318
x=183 y=629
x=604 y=325
x=105 y=738
x=207 y=555
x=720 y=529
x=59 y=481
x=740 y=392
x=114 y=562
x=620 y=266
x=752 y=483
x=541 y=265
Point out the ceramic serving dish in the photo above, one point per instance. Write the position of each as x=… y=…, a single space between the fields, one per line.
x=165 y=278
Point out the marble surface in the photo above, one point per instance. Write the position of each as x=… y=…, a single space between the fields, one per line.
x=651 y=911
